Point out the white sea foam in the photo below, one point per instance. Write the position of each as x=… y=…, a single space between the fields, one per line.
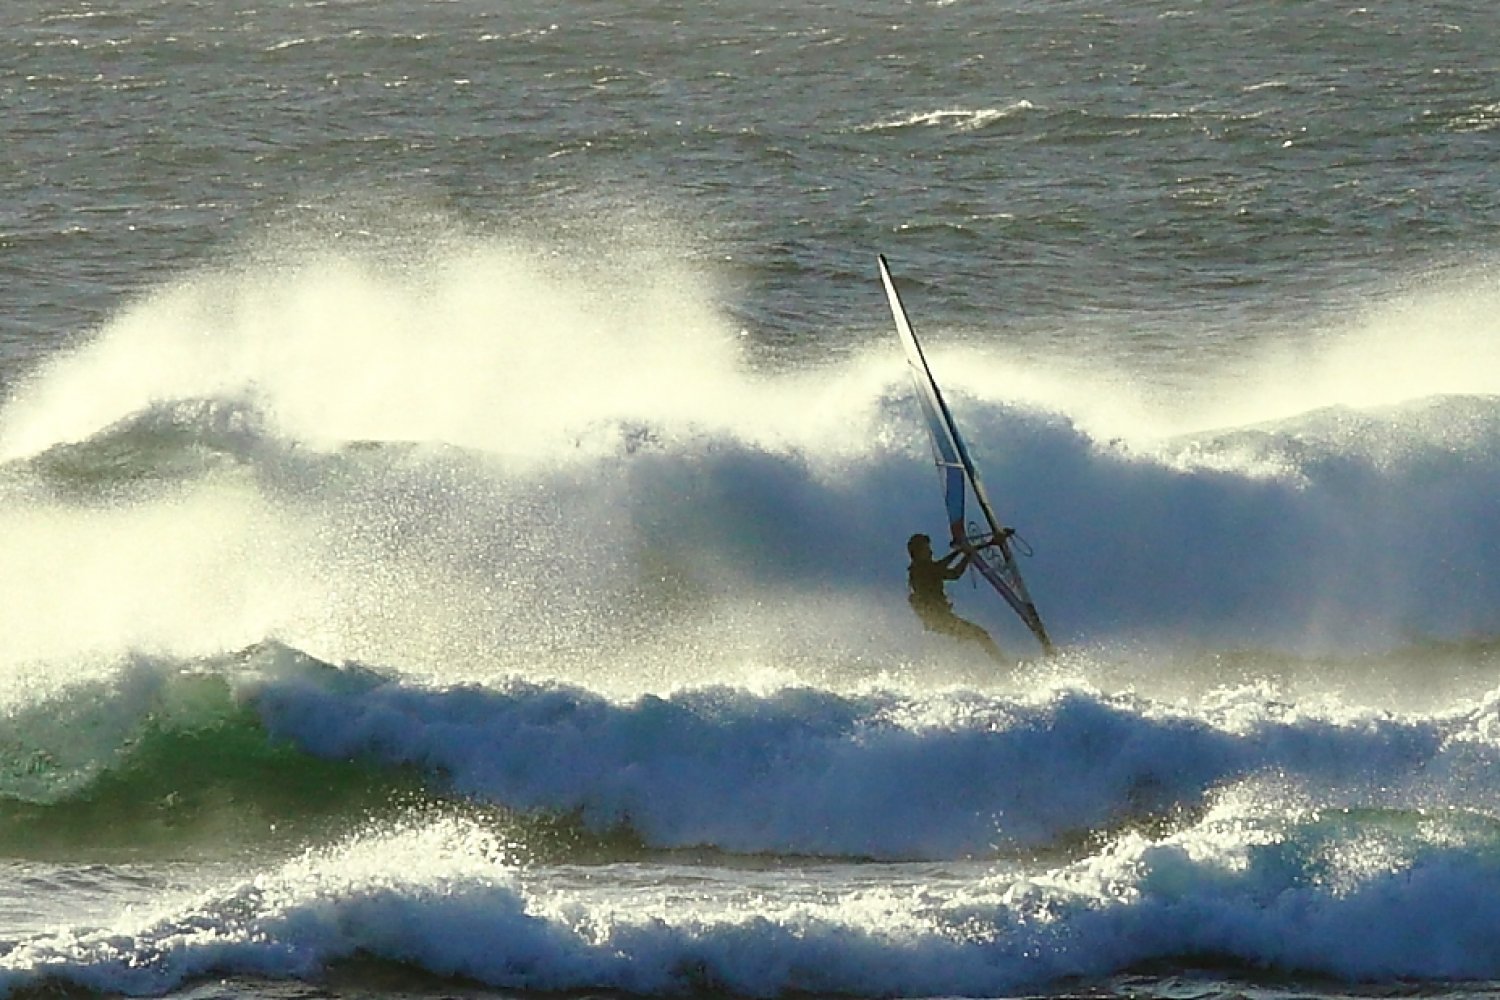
x=589 y=470
x=880 y=774
x=1244 y=884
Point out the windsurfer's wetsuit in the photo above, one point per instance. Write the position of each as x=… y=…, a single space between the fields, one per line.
x=926 y=579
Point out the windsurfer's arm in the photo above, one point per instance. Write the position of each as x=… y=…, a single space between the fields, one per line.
x=952 y=572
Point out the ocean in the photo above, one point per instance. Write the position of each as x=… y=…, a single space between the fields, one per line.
x=456 y=463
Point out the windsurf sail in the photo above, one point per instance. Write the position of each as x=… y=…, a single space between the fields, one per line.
x=987 y=543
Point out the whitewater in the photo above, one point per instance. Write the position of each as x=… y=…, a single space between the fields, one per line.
x=599 y=682
x=500 y=452
x=456 y=465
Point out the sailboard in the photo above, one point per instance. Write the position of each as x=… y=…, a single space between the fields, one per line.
x=988 y=542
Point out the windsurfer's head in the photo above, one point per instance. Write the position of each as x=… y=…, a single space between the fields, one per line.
x=919 y=545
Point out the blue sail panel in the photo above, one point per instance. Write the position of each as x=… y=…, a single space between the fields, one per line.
x=954 y=483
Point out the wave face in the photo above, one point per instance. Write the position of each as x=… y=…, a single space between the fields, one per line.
x=423 y=898
x=540 y=836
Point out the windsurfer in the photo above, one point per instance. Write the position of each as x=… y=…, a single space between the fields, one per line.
x=927 y=577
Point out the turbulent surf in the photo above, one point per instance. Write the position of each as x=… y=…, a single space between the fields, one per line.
x=455 y=470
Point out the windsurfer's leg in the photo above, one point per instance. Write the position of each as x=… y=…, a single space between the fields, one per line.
x=961 y=628
x=990 y=645
x=974 y=633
